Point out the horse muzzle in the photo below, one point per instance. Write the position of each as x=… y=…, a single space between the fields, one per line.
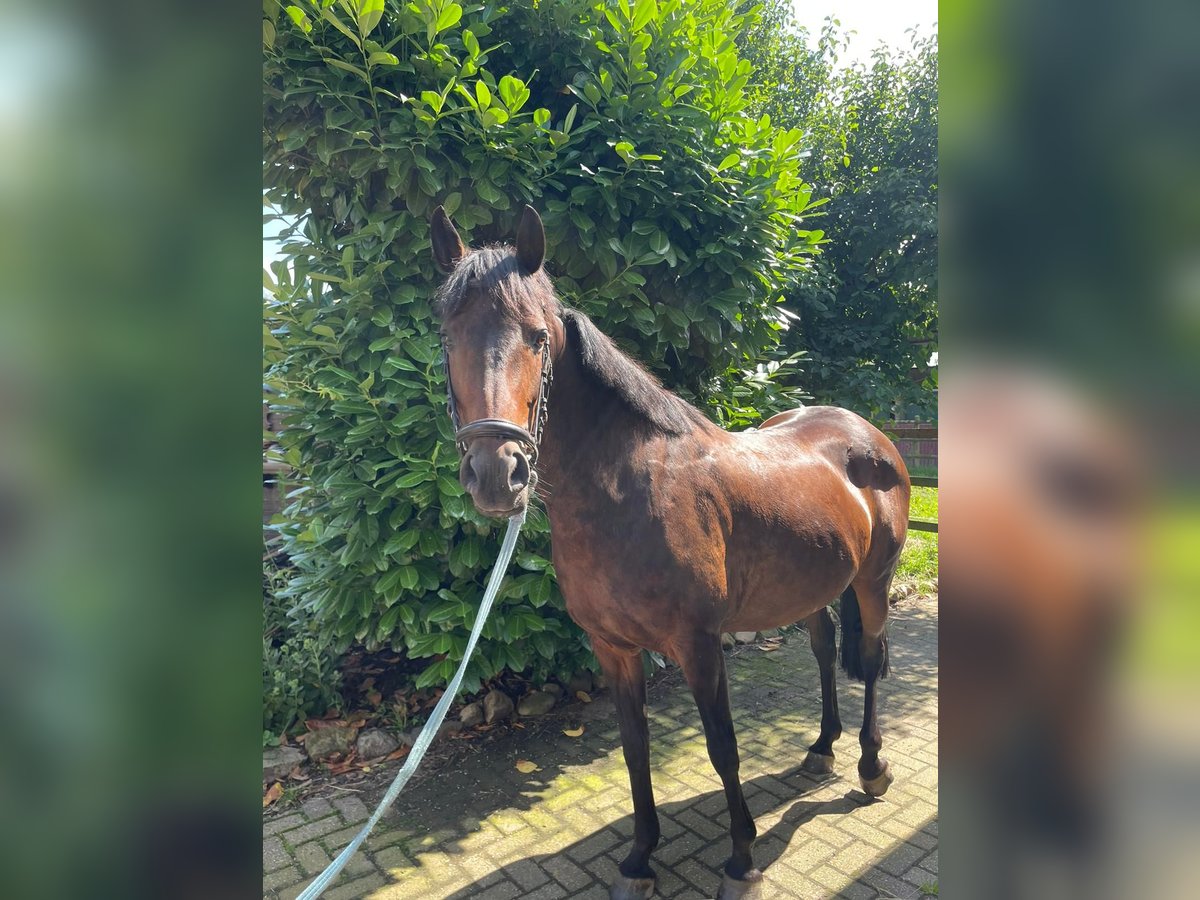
x=498 y=475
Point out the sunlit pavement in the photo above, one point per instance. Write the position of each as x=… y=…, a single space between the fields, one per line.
x=480 y=828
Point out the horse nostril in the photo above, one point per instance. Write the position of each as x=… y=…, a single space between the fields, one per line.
x=519 y=477
x=466 y=472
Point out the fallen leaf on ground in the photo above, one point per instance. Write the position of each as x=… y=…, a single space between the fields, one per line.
x=397 y=754
x=274 y=792
x=525 y=766
x=574 y=732
x=374 y=697
x=584 y=696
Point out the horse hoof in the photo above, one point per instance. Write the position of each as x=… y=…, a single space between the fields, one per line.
x=748 y=888
x=817 y=763
x=625 y=888
x=877 y=786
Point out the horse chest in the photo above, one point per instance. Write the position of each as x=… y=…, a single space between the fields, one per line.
x=625 y=574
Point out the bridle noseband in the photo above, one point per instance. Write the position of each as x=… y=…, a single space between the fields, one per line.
x=502 y=428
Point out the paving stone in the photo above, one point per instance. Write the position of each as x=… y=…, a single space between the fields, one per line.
x=281 y=879
x=274 y=856
x=352 y=809
x=506 y=890
x=283 y=823
x=550 y=891
x=527 y=874
x=316 y=808
x=567 y=873
x=392 y=858
x=291 y=893
x=484 y=833
x=900 y=859
x=598 y=843
x=312 y=858
x=357 y=889
x=920 y=876
x=313 y=830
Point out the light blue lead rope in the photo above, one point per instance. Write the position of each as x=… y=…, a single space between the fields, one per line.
x=425 y=738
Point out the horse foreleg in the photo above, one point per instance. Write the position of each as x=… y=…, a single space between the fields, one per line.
x=823 y=637
x=703 y=665
x=623 y=669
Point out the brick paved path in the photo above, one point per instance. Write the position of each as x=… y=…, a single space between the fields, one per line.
x=479 y=828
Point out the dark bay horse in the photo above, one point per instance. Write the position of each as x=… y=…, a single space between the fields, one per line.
x=667 y=530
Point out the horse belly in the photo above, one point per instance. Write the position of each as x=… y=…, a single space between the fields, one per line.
x=795 y=551
x=789 y=581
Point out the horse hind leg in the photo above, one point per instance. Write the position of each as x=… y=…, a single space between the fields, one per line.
x=865 y=658
x=822 y=635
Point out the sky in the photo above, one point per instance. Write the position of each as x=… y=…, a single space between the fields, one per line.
x=873 y=20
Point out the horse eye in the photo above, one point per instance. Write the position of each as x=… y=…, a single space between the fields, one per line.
x=540 y=338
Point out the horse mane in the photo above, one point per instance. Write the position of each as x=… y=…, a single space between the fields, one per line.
x=640 y=391
x=495 y=271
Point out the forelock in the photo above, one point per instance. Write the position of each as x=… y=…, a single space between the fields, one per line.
x=498 y=275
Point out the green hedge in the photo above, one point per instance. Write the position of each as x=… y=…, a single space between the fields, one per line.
x=673 y=218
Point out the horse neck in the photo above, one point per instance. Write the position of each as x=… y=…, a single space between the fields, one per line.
x=590 y=430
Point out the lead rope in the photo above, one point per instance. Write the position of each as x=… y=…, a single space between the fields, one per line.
x=425 y=738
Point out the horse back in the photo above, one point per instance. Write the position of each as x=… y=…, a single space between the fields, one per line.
x=847 y=441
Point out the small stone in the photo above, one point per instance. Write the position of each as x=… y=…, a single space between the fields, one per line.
x=497 y=706
x=449 y=727
x=279 y=761
x=374 y=743
x=471 y=715
x=327 y=741
x=727 y=640
x=580 y=681
x=745 y=637
x=536 y=704
x=556 y=689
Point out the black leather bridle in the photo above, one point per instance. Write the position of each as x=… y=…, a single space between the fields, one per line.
x=502 y=428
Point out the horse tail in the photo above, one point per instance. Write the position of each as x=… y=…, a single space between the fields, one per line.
x=852 y=631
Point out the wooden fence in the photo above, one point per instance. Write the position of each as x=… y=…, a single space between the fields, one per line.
x=916 y=441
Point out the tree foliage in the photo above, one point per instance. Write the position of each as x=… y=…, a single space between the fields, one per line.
x=865 y=314
x=673 y=217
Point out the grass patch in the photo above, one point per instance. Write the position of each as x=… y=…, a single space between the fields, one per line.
x=924 y=503
x=918 y=569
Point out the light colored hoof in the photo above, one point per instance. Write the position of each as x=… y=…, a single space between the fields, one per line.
x=748 y=888
x=877 y=786
x=817 y=763
x=631 y=888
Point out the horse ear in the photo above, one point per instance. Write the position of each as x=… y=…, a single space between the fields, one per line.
x=531 y=241
x=448 y=247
